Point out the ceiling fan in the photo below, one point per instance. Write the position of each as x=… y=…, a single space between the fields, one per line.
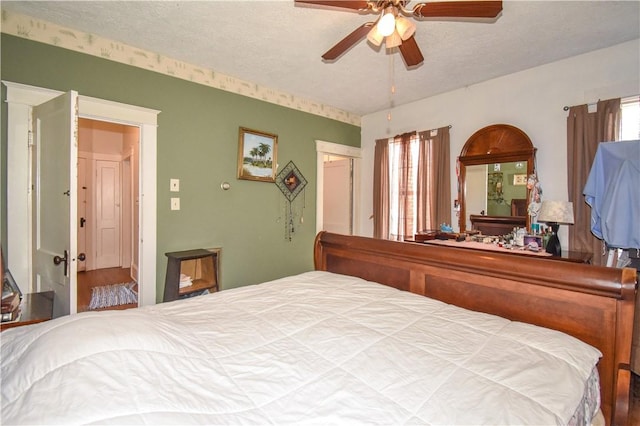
x=395 y=29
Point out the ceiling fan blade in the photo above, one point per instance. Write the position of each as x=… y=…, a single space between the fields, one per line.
x=458 y=9
x=411 y=52
x=344 y=44
x=346 y=4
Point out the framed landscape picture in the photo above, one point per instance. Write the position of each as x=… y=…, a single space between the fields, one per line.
x=257 y=155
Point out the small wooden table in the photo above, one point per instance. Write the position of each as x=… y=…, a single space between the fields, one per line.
x=34 y=308
x=200 y=265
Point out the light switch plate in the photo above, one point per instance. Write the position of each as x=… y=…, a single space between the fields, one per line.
x=175 y=204
x=174 y=185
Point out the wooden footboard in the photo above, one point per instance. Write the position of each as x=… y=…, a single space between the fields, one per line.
x=594 y=304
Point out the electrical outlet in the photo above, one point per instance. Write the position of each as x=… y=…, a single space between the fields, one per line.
x=175 y=204
x=174 y=185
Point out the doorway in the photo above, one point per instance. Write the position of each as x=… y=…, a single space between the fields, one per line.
x=21 y=99
x=338 y=186
x=108 y=164
x=338 y=194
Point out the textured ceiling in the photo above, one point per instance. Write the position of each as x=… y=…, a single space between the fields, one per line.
x=278 y=45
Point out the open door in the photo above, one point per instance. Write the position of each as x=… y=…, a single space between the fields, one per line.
x=55 y=171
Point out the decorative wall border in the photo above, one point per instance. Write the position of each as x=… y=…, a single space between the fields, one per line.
x=45 y=32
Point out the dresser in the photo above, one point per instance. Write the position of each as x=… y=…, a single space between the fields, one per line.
x=567 y=256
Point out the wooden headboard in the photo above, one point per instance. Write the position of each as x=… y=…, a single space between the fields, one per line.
x=594 y=304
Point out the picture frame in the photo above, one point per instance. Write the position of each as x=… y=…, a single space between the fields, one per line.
x=291 y=181
x=494 y=185
x=257 y=155
x=519 y=179
x=533 y=242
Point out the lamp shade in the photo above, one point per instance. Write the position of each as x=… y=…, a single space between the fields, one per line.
x=374 y=36
x=405 y=27
x=394 y=40
x=556 y=212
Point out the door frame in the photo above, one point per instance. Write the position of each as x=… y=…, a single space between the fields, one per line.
x=20 y=99
x=329 y=148
x=82 y=209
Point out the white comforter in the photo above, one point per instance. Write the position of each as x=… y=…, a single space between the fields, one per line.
x=316 y=348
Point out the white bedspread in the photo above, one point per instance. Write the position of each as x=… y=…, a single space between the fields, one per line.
x=317 y=348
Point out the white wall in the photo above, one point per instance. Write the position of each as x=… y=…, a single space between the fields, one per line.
x=531 y=100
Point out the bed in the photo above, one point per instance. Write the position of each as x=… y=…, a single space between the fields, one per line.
x=334 y=346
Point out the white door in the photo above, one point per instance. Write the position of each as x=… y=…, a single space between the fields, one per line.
x=107 y=214
x=476 y=200
x=55 y=174
x=126 y=219
x=348 y=198
x=82 y=212
x=337 y=196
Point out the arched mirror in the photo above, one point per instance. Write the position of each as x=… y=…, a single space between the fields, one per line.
x=495 y=164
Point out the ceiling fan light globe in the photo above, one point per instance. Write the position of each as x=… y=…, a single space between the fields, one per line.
x=387 y=24
x=394 y=40
x=405 y=27
x=374 y=36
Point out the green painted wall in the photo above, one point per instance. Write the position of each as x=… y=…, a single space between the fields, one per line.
x=197 y=143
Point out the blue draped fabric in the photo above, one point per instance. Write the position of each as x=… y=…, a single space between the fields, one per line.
x=613 y=192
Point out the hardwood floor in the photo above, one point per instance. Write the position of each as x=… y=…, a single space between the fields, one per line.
x=89 y=279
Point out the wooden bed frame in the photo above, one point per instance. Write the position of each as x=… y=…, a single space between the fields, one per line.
x=593 y=303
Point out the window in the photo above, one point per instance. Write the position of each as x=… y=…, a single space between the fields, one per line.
x=630 y=118
x=411 y=184
x=403 y=185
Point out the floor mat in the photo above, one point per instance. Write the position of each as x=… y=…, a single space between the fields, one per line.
x=113 y=295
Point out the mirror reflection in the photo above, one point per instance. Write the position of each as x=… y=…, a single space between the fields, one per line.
x=497 y=189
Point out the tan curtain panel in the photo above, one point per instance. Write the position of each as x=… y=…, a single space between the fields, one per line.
x=434 y=179
x=585 y=131
x=393 y=163
x=395 y=151
x=403 y=194
x=381 y=189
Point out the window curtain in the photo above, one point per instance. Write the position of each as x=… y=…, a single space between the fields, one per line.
x=381 y=189
x=409 y=161
x=585 y=131
x=434 y=179
x=395 y=152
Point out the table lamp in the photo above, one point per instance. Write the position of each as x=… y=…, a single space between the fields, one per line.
x=554 y=213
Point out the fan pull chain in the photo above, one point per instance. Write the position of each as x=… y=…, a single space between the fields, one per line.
x=392 y=83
